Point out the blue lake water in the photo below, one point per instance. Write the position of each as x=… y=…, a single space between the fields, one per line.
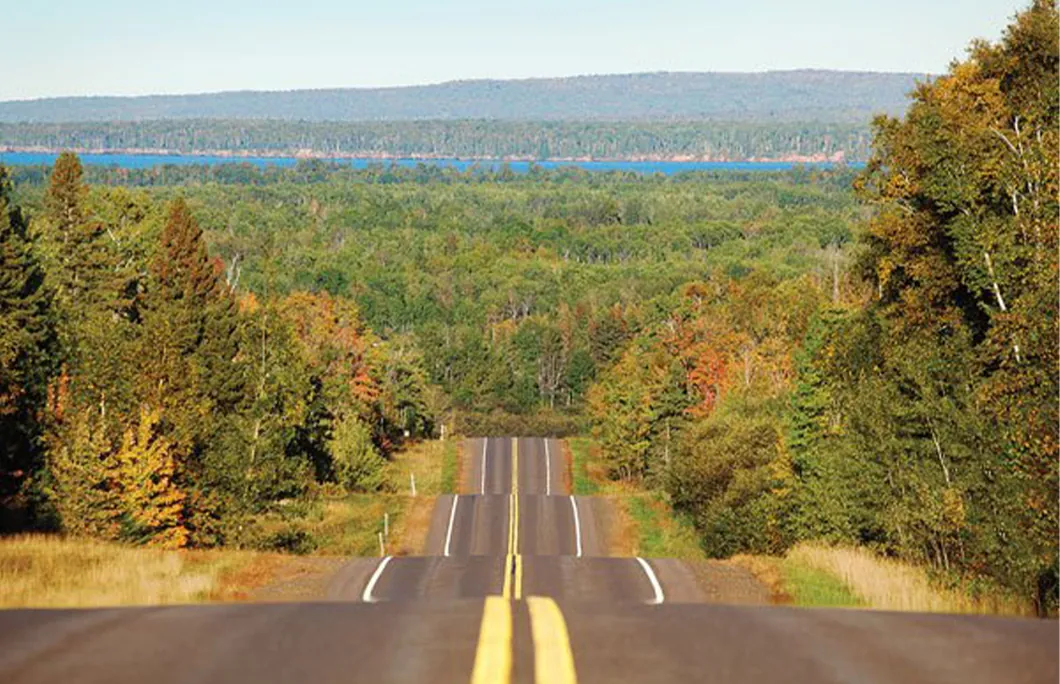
x=142 y=161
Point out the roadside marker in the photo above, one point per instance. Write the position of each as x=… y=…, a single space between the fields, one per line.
x=577 y=527
x=493 y=657
x=553 y=659
x=656 y=587
x=367 y=595
x=449 y=530
x=482 y=469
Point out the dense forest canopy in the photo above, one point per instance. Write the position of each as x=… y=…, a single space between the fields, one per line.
x=863 y=357
x=775 y=96
x=468 y=139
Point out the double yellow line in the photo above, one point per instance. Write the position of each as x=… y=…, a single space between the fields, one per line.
x=553 y=658
x=513 y=562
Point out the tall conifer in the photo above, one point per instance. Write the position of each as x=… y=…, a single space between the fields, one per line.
x=25 y=335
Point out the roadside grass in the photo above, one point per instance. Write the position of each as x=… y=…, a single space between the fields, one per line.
x=450 y=467
x=582 y=483
x=338 y=523
x=642 y=522
x=889 y=584
x=819 y=575
x=49 y=571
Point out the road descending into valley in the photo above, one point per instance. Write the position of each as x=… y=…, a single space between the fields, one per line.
x=516 y=586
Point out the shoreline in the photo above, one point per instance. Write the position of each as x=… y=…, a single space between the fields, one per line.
x=236 y=155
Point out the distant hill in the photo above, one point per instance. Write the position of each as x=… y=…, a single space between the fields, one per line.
x=775 y=96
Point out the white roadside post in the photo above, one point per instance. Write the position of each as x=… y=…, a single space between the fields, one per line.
x=412 y=480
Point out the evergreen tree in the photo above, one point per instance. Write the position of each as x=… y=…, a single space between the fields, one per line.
x=25 y=345
x=190 y=368
x=78 y=263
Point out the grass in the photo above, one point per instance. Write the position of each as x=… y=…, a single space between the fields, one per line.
x=338 y=523
x=659 y=532
x=450 y=467
x=643 y=523
x=49 y=571
x=818 y=575
x=583 y=484
x=889 y=584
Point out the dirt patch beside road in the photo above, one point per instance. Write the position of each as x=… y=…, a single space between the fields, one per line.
x=296 y=578
x=726 y=582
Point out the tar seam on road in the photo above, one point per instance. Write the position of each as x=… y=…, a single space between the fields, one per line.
x=655 y=586
x=449 y=530
x=548 y=470
x=553 y=659
x=493 y=657
x=482 y=469
x=367 y=595
x=577 y=527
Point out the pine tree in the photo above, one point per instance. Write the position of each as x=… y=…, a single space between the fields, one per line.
x=191 y=367
x=79 y=483
x=25 y=339
x=192 y=335
x=79 y=264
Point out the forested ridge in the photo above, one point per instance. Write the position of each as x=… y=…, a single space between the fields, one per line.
x=865 y=358
x=471 y=139
x=778 y=96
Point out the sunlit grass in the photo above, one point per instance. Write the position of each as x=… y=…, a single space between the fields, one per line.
x=889 y=584
x=583 y=483
x=52 y=572
x=450 y=467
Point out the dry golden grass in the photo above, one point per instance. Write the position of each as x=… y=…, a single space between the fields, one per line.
x=50 y=571
x=887 y=584
x=409 y=534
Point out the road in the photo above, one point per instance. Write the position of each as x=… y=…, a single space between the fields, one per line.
x=515 y=585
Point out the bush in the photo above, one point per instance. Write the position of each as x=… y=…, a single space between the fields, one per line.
x=358 y=465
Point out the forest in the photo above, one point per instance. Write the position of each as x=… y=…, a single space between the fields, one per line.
x=772 y=96
x=477 y=139
x=862 y=357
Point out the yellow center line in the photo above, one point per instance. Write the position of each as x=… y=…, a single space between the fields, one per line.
x=513 y=563
x=553 y=659
x=493 y=657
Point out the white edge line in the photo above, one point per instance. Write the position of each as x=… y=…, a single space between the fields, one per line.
x=656 y=587
x=482 y=486
x=548 y=470
x=367 y=595
x=449 y=530
x=577 y=527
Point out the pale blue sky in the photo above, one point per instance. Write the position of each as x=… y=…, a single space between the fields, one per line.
x=132 y=47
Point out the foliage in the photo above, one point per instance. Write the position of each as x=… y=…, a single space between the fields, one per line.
x=169 y=411
x=916 y=411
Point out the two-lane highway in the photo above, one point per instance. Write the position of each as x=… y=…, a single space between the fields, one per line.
x=516 y=586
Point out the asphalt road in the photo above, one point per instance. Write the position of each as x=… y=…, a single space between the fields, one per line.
x=515 y=585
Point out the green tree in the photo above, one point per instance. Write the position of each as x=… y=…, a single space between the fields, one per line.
x=25 y=346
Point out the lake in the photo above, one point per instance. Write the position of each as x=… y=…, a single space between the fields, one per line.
x=141 y=161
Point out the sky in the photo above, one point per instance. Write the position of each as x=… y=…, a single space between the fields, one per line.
x=139 y=47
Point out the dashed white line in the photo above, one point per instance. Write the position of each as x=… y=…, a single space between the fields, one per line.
x=482 y=469
x=449 y=530
x=577 y=527
x=656 y=587
x=367 y=595
x=548 y=470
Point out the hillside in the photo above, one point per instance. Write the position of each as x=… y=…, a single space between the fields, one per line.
x=776 y=96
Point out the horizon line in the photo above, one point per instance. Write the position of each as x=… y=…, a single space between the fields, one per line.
x=455 y=81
